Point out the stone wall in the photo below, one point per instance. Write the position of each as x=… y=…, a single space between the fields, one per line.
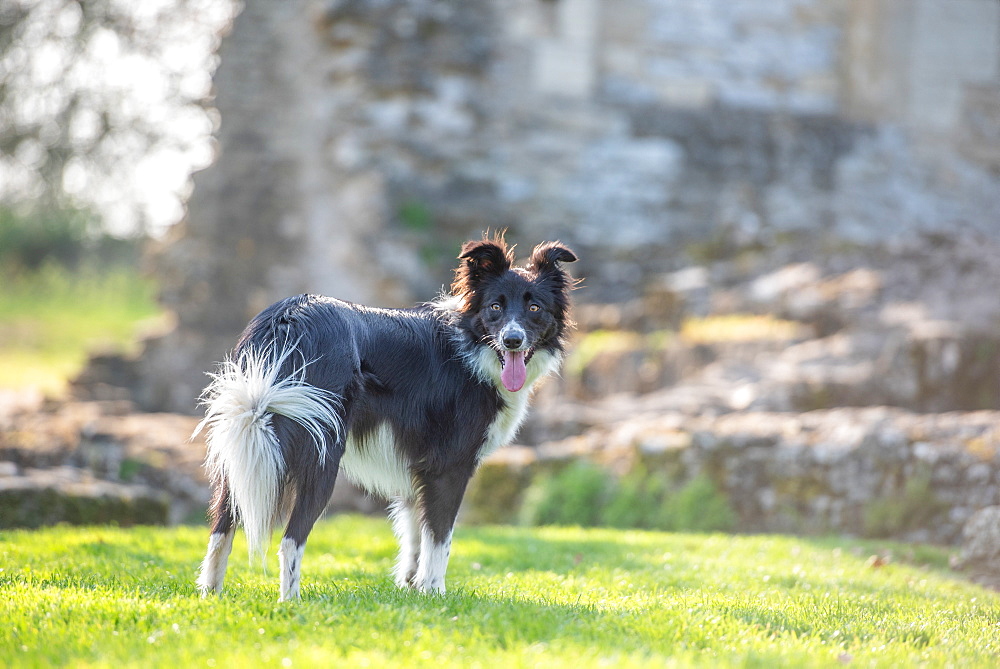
x=361 y=141
x=87 y=463
x=873 y=472
x=876 y=471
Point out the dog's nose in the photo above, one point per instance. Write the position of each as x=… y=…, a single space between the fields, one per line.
x=512 y=341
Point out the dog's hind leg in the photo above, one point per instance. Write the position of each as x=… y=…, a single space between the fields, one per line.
x=220 y=543
x=407 y=529
x=309 y=504
x=440 y=497
x=312 y=492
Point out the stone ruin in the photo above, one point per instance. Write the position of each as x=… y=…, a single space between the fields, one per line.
x=361 y=141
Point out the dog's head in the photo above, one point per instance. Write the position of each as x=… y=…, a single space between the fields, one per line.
x=515 y=310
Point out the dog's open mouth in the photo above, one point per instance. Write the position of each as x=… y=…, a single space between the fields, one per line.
x=514 y=370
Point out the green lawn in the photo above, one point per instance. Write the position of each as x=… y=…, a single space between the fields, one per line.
x=51 y=319
x=560 y=597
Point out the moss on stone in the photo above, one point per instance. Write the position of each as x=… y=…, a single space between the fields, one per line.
x=37 y=507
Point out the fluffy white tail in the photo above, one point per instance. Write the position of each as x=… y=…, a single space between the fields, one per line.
x=243 y=449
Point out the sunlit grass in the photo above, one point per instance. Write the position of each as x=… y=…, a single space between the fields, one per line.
x=562 y=597
x=51 y=319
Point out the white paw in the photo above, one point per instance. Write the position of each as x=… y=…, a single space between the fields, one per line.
x=207 y=588
x=434 y=586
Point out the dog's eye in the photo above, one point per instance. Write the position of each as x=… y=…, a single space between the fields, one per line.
x=533 y=307
x=495 y=306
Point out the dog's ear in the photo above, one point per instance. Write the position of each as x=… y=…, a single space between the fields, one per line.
x=487 y=256
x=547 y=256
x=480 y=259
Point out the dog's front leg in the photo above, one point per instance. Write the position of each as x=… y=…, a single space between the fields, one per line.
x=435 y=550
x=407 y=530
x=439 y=500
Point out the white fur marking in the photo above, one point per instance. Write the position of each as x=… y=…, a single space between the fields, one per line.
x=243 y=450
x=433 y=563
x=290 y=559
x=503 y=428
x=407 y=531
x=375 y=464
x=512 y=327
x=213 y=568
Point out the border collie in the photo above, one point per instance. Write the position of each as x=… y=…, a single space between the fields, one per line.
x=407 y=402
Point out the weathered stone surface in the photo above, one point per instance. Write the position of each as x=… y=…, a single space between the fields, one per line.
x=36 y=497
x=100 y=462
x=361 y=142
x=856 y=327
x=979 y=137
x=106 y=462
x=867 y=472
x=980 y=556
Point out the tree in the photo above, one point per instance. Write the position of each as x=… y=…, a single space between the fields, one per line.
x=104 y=104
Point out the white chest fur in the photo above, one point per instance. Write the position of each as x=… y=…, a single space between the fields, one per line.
x=509 y=419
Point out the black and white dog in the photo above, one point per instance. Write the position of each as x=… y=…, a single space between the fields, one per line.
x=407 y=402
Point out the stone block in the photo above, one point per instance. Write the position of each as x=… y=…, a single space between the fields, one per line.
x=954 y=42
x=564 y=68
x=980 y=555
x=815 y=94
x=622 y=61
x=579 y=20
x=625 y=22
x=979 y=128
x=751 y=95
x=875 y=56
x=691 y=92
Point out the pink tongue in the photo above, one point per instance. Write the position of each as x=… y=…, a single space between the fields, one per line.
x=514 y=373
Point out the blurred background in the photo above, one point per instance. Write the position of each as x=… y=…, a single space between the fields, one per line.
x=787 y=214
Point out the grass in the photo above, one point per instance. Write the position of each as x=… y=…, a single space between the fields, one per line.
x=50 y=319
x=562 y=597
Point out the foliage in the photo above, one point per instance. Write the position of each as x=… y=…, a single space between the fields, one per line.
x=416 y=217
x=587 y=495
x=494 y=494
x=596 y=342
x=574 y=496
x=697 y=506
x=36 y=507
x=28 y=241
x=636 y=500
x=590 y=346
x=66 y=237
x=896 y=514
x=518 y=597
x=68 y=288
x=98 y=98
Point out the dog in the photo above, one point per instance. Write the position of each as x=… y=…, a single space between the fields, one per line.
x=406 y=402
